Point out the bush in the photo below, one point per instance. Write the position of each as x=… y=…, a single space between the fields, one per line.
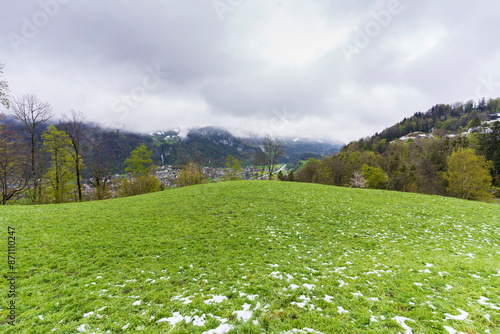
x=190 y=175
x=375 y=177
x=139 y=185
x=468 y=175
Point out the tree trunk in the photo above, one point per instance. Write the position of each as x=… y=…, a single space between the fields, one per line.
x=33 y=171
x=78 y=181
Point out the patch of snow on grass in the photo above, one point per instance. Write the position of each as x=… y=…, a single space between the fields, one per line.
x=222 y=329
x=328 y=298
x=305 y=301
x=462 y=316
x=341 y=310
x=215 y=299
x=305 y=330
x=82 y=329
x=199 y=321
x=244 y=315
x=174 y=319
x=277 y=274
x=452 y=331
x=484 y=301
x=401 y=322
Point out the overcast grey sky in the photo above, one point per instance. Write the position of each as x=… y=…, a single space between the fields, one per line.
x=329 y=69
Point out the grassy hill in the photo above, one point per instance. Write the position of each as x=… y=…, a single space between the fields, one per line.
x=255 y=257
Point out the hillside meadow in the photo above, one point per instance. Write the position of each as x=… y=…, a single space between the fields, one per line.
x=255 y=257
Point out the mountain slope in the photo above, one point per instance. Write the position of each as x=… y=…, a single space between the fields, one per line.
x=212 y=145
x=444 y=117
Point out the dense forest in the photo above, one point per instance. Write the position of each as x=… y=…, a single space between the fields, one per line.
x=427 y=153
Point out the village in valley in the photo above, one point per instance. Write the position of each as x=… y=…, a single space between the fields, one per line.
x=167 y=175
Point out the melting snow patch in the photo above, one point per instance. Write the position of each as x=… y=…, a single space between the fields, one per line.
x=484 y=301
x=401 y=322
x=357 y=294
x=488 y=317
x=244 y=315
x=215 y=299
x=305 y=300
x=463 y=315
x=431 y=306
x=309 y=286
x=305 y=330
x=86 y=315
x=294 y=286
x=136 y=303
x=418 y=284
x=222 y=329
x=277 y=274
x=199 y=321
x=82 y=329
x=374 y=318
x=328 y=298
x=126 y=326
x=452 y=331
x=341 y=310
x=41 y=317
x=342 y=283
x=374 y=299
x=176 y=317
x=448 y=287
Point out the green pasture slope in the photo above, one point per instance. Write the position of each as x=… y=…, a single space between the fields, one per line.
x=255 y=257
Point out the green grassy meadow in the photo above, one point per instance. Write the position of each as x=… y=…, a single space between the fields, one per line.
x=255 y=257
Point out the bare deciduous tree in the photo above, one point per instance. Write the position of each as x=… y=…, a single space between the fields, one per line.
x=13 y=171
x=101 y=169
x=273 y=149
x=32 y=112
x=73 y=126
